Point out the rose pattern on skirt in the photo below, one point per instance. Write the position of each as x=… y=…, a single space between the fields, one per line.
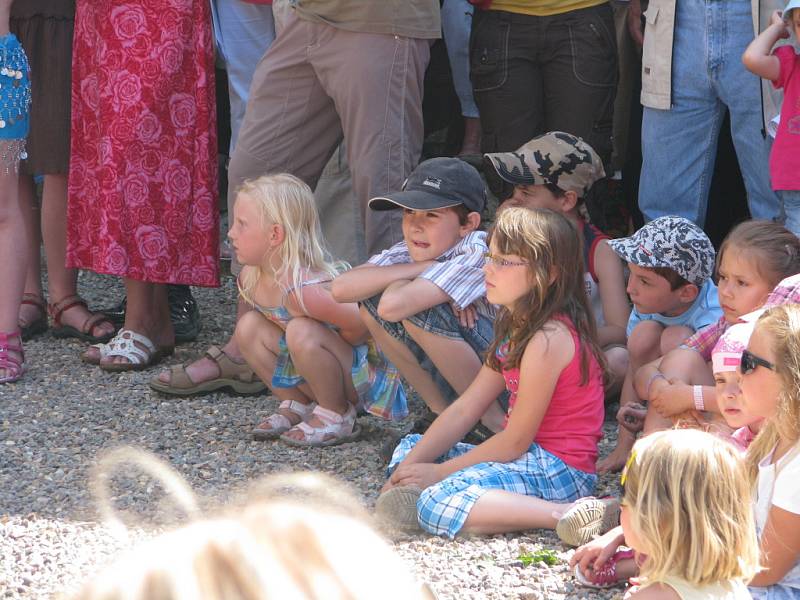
x=143 y=174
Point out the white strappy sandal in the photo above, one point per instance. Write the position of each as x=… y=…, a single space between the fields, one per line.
x=124 y=345
x=336 y=429
x=276 y=424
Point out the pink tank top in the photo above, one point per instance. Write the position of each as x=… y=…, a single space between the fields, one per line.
x=573 y=423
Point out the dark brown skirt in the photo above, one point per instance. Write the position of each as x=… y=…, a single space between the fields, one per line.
x=47 y=41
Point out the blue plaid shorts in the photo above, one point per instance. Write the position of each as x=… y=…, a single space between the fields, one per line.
x=441 y=321
x=443 y=507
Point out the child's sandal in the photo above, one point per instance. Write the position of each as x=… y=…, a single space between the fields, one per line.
x=276 y=424
x=12 y=357
x=607 y=576
x=335 y=429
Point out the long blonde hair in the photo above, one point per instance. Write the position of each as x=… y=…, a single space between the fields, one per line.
x=295 y=537
x=783 y=325
x=287 y=201
x=550 y=244
x=690 y=504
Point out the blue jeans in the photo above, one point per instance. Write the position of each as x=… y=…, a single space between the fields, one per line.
x=440 y=321
x=456 y=26
x=243 y=33
x=791 y=205
x=679 y=145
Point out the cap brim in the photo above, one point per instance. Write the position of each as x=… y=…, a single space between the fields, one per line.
x=413 y=200
x=624 y=248
x=496 y=160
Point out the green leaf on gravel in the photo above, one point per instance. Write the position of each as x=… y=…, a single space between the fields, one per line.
x=548 y=557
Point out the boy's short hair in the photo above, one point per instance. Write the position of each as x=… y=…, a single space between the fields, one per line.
x=673 y=243
x=671 y=275
x=556 y=159
x=437 y=183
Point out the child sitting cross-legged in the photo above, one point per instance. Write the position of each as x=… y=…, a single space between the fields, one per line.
x=556 y=170
x=687 y=519
x=545 y=353
x=671 y=261
x=424 y=299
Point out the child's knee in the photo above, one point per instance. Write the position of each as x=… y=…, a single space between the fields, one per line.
x=617 y=361
x=644 y=342
x=674 y=336
x=304 y=334
x=247 y=329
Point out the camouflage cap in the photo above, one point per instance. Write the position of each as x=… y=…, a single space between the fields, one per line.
x=557 y=158
x=672 y=242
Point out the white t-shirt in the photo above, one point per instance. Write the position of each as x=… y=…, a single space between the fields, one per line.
x=785 y=495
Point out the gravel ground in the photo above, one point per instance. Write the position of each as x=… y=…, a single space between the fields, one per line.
x=63 y=413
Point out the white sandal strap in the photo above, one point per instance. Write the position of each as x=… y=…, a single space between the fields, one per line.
x=123 y=345
x=298 y=408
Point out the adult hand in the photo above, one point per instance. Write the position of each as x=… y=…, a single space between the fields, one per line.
x=635 y=27
x=421 y=475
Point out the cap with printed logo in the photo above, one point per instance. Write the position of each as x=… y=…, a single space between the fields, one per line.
x=672 y=242
x=437 y=183
x=556 y=158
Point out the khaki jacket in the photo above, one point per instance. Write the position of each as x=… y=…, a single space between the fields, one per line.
x=657 y=54
x=406 y=18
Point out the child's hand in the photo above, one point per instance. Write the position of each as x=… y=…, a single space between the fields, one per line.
x=421 y=475
x=466 y=317
x=631 y=416
x=669 y=398
x=594 y=554
x=776 y=20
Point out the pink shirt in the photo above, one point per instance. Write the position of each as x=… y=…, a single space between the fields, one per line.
x=573 y=423
x=784 y=161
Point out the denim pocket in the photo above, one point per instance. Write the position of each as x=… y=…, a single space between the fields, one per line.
x=489 y=54
x=594 y=48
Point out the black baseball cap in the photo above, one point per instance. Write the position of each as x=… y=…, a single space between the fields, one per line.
x=437 y=183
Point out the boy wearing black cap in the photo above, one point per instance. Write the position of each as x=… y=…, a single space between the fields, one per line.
x=424 y=299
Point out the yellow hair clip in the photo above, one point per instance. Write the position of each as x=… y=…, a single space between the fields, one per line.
x=628 y=464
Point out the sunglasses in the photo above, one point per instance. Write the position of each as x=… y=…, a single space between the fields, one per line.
x=750 y=362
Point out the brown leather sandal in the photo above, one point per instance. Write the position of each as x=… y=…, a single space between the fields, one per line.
x=57 y=309
x=238 y=376
x=37 y=326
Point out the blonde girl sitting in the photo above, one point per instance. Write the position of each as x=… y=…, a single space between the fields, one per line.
x=546 y=354
x=312 y=350
x=687 y=518
x=770 y=383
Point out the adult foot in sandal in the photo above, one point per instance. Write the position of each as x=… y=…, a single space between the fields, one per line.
x=32 y=316
x=324 y=428
x=127 y=351
x=289 y=414
x=73 y=319
x=219 y=368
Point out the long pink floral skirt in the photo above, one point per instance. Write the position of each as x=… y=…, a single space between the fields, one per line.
x=143 y=166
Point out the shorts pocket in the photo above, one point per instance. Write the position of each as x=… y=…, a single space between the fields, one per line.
x=489 y=54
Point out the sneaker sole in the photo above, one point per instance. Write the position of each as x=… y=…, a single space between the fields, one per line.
x=582 y=523
x=397 y=508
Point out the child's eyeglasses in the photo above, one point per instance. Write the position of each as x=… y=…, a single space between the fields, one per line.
x=750 y=361
x=501 y=262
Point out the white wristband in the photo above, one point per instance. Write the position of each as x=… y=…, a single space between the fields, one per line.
x=697 y=394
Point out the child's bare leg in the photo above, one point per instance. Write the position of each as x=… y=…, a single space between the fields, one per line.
x=258 y=340
x=324 y=360
x=672 y=337
x=644 y=345
x=402 y=358
x=617 y=362
x=204 y=368
x=459 y=365
x=500 y=511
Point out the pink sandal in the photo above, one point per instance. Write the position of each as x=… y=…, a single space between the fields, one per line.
x=606 y=577
x=12 y=357
x=335 y=429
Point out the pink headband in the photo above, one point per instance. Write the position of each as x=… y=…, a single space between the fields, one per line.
x=727 y=354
